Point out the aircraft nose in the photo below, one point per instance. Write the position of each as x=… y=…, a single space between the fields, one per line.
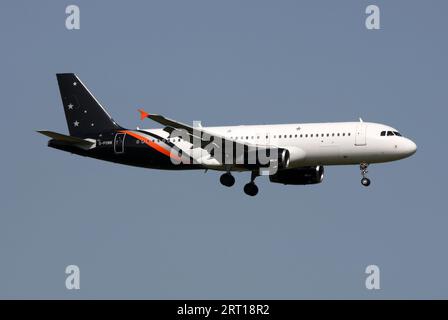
x=409 y=147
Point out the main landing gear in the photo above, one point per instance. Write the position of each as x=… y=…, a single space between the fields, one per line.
x=227 y=179
x=251 y=188
x=364 y=181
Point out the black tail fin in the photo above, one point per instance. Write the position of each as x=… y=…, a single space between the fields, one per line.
x=85 y=115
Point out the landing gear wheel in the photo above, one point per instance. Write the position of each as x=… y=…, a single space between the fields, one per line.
x=227 y=180
x=365 y=182
x=363 y=167
x=251 y=189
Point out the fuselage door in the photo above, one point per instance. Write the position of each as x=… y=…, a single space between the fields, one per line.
x=119 y=142
x=360 y=135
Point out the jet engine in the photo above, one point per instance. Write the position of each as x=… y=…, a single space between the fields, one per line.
x=299 y=176
x=264 y=157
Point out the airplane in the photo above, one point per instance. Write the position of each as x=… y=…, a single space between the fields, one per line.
x=290 y=154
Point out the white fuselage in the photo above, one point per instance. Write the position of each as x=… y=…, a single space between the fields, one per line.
x=337 y=143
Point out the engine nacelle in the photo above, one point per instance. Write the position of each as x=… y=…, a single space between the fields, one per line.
x=263 y=158
x=296 y=157
x=283 y=158
x=299 y=176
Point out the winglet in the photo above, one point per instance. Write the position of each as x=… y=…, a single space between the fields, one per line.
x=143 y=114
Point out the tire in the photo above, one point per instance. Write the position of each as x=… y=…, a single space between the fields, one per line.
x=251 y=189
x=365 y=182
x=227 y=180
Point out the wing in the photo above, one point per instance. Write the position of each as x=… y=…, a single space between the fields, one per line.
x=197 y=133
x=219 y=149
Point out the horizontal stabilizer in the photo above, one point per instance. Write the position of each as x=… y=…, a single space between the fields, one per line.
x=69 y=140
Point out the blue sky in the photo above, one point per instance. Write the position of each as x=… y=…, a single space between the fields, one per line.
x=139 y=233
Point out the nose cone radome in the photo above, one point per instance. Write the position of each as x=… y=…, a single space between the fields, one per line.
x=409 y=147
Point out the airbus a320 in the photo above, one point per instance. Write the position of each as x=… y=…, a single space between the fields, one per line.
x=290 y=154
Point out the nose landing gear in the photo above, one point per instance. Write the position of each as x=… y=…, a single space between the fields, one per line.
x=364 y=181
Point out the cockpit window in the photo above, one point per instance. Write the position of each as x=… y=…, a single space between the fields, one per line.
x=390 y=133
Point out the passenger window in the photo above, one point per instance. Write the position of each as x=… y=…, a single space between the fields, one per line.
x=343 y=134
x=338 y=134
x=311 y=135
x=306 y=136
x=301 y=135
x=290 y=135
x=349 y=134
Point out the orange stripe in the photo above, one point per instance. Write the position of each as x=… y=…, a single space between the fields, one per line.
x=151 y=144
